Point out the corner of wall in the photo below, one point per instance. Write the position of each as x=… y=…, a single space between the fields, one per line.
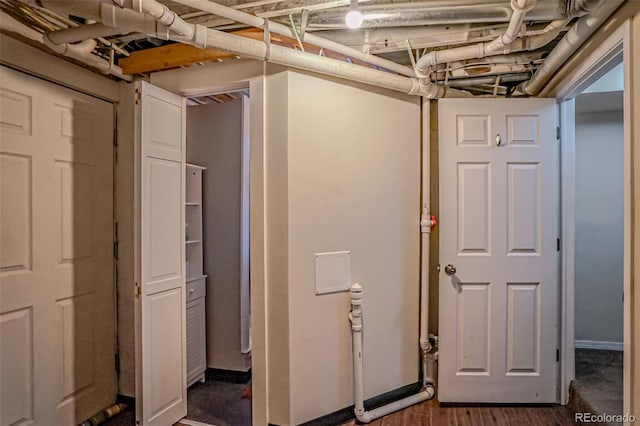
x=276 y=246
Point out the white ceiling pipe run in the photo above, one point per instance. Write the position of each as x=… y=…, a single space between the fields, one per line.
x=480 y=50
x=572 y=40
x=162 y=14
x=254 y=21
x=80 y=52
x=293 y=58
x=355 y=317
x=83 y=32
x=202 y=37
x=440 y=12
x=383 y=40
x=115 y=20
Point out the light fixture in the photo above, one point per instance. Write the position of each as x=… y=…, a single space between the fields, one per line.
x=354 y=17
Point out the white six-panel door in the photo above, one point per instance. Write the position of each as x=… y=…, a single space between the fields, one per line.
x=57 y=315
x=499 y=213
x=161 y=352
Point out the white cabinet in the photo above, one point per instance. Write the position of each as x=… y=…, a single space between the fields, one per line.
x=196 y=280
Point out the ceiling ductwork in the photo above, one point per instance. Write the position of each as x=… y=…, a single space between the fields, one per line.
x=437 y=13
x=448 y=43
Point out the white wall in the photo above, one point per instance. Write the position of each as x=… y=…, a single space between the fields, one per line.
x=599 y=220
x=353 y=164
x=214 y=140
x=337 y=167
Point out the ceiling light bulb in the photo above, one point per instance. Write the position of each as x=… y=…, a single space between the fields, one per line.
x=353 y=19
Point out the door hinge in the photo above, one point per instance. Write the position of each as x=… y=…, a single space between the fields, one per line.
x=115 y=241
x=138 y=96
x=558 y=244
x=557 y=355
x=558 y=132
x=138 y=291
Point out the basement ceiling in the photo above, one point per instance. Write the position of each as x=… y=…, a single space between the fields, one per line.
x=400 y=31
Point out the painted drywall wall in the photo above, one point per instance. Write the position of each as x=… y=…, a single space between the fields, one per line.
x=632 y=111
x=599 y=226
x=214 y=140
x=276 y=109
x=353 y=161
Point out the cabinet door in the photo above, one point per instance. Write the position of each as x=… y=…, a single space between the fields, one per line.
x=195 y=339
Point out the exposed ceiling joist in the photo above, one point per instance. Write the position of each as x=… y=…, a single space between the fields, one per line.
x=180 y=55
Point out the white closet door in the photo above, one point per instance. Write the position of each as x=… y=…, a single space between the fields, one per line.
x=57 y=364
x=161 y=351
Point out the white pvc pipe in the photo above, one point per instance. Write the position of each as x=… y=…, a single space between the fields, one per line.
x=81 y=33
x=425 y=228
x=572 y=40
x=355 y=316
x=80 y=52
x=480 y=50
x=254 y=21
x=200 y=36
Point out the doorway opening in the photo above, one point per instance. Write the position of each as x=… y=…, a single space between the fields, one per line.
x=599 y=245
x=217 y=259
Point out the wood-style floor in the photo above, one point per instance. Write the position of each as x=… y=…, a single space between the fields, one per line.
x=431 y=413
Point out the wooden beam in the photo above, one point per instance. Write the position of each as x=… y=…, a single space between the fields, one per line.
x=178 y=55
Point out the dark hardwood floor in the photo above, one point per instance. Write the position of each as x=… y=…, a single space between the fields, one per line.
x=431 y=413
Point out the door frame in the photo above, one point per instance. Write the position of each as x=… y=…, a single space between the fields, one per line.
x=616 y=46
x=228 y=77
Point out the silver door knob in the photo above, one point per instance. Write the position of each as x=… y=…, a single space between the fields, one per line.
x=450 y=269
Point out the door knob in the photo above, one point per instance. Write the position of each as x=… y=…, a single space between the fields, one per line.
x=450 y=269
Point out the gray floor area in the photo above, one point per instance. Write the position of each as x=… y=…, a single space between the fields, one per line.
x=213 y=402
x=598 y=385
x=219 y=403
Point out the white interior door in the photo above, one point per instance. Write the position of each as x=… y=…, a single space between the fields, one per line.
x=57 y=313
x=161 y=385
x=499 y=214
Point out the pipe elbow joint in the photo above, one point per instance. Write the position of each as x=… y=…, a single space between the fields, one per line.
x=425 y=62
x=363 y=416
x=523 y=6
x=58 y=48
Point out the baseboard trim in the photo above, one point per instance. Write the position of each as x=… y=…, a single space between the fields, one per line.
x=594 y=344
x=346 y=414
x=230 y=376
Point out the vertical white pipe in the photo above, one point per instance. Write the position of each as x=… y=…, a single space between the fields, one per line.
x=425 y=228
x=356 y=328
x=355 y=316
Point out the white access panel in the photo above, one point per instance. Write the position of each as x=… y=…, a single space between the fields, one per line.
x=499 y=178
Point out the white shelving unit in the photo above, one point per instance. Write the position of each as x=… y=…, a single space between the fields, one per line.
x=196 y=280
